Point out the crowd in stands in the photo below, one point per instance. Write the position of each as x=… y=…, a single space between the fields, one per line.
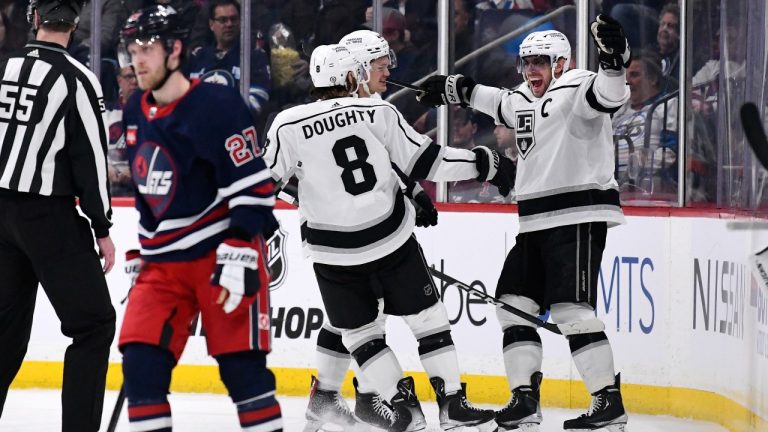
x=283 y=32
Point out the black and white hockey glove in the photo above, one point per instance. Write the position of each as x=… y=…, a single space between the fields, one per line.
x=133 y=265
x=439 y=90
x=611 y=42
x=426 y=213
x=495 y=169
x=241 y=270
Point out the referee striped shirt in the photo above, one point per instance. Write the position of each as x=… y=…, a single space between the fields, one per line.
x=53 y=137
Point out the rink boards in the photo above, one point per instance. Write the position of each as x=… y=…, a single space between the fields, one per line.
x=687 y=322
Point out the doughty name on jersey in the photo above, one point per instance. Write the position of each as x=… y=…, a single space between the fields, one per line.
x=340 y=120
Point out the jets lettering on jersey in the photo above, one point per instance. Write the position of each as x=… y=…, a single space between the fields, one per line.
x=153 y=173
x=340 y=120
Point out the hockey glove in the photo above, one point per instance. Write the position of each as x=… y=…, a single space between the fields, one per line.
x=426 y=213
x=241 y=270
x=495 y=169
x=611 y=42
x=439 y=90
x=132 y=265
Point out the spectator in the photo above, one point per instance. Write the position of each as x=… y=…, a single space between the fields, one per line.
x=668 y=39
x=637 y=165
x=113 y=15
x=639 y=18
x=410 y=65
x=220 y=62
x=505 y=142
x=117 y=168
x=465 y=127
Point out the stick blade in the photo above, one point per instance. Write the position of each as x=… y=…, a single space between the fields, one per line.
x=753 y=129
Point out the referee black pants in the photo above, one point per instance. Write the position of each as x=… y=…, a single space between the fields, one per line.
x=44 y=240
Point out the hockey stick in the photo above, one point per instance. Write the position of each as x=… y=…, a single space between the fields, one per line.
x=753 y=129
x=403 y=85
x=117 y=409
x=589 y=326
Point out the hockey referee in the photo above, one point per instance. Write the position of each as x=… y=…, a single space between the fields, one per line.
x=53 y=146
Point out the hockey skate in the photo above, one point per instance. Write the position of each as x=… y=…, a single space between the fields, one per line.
x=605 y=413
x=328 y=411
x=523 y=413
x=456 y=413
x=371 y=409
x=408 y=416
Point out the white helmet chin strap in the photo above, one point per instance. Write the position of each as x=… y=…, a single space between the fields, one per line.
x=366 y=89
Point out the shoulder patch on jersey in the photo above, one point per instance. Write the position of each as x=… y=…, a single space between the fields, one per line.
x=130 y=135
x=524 y=138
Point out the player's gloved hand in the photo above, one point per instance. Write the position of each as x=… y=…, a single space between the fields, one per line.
x=611 y=42
x=426 y=213
x=133 y=265
x=241 y=271
x=441 y=89
x=495 y=169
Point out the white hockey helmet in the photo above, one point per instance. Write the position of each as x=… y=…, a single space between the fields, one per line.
x=330 y=64
x=367 y=46
x=549 y=43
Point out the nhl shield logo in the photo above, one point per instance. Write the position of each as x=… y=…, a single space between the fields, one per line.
x=277 y=260
x=524 y=132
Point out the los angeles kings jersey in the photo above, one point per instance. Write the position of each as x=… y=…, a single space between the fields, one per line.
x=342 y=151
x=565 y=143
x=197 y=171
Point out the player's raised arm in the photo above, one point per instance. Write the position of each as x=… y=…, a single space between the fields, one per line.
x=609 y=91
x=420 y=158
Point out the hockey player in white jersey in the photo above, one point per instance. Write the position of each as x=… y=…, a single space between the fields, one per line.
x=567 y=199
x=357 y=227
x=326 y=404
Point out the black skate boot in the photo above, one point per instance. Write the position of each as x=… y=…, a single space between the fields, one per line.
x=329 y=407
x=457 y=413
x=523 y=413
x=605 y=413
x=408 y=416
x=371 y=409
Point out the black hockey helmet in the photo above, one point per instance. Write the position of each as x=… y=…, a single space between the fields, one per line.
x=151 y=24
x=55 y=11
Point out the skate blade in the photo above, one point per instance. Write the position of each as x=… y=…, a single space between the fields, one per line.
x=617 y=427
x=490 y=426
x=315 y=426
x=524 y=427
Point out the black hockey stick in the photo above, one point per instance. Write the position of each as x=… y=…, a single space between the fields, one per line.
x=403 y=85
x=590 y=326
x=753 y=129
x=117 y=409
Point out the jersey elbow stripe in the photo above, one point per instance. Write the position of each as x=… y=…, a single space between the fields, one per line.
x=245 y=182
x=425 y=161
x=252 y=201
x=595 y=104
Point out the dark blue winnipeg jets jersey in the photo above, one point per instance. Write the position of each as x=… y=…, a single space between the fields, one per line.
x=197 y=170
x=211 y=65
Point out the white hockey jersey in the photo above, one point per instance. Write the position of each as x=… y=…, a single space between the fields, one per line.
x=565 y=143
x=342 y=151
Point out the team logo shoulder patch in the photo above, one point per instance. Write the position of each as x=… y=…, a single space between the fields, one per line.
x=524 y=138
x=130 y=135
x=277 y=260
